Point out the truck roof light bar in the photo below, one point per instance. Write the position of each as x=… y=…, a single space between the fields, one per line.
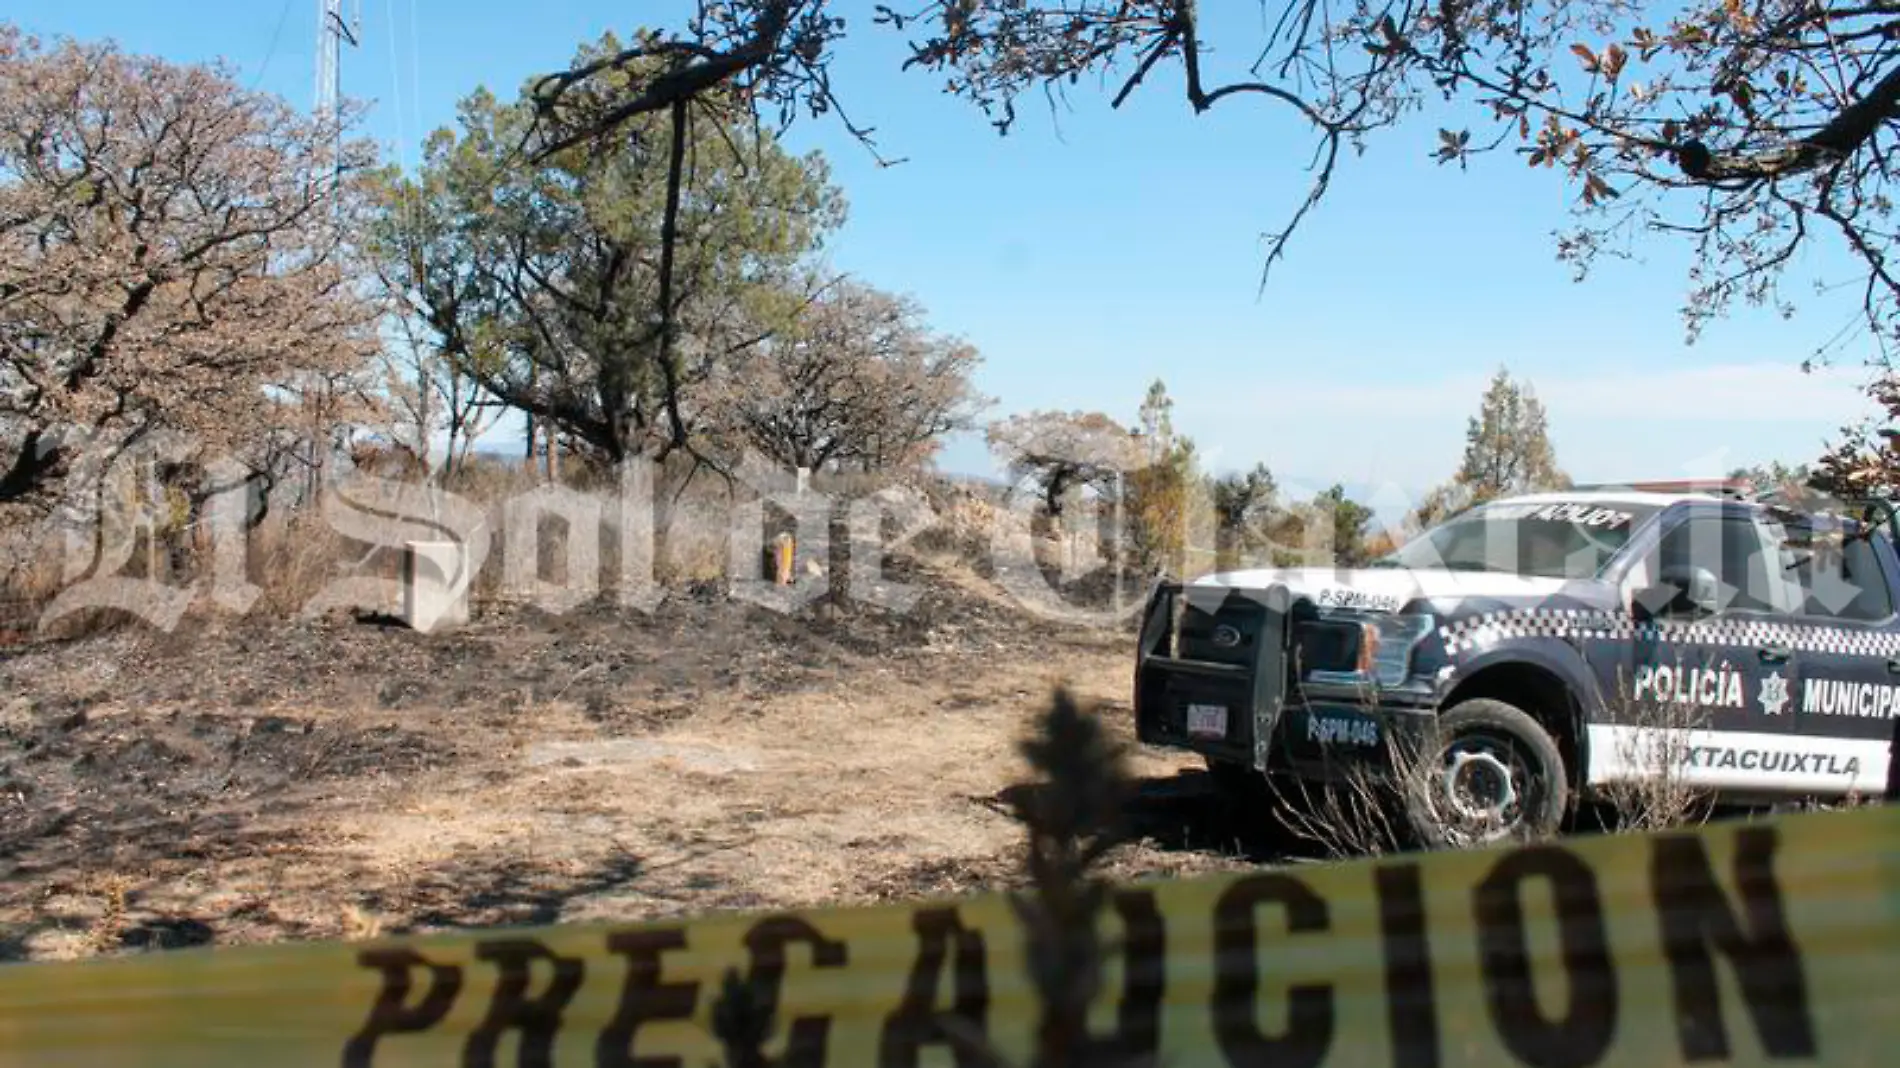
x=1733 y=488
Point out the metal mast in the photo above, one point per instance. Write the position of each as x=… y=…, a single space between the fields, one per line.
x=332 y=34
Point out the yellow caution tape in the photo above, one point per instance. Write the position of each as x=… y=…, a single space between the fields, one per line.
x=1738 y=944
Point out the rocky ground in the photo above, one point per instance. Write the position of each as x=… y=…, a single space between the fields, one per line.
x=261 y=779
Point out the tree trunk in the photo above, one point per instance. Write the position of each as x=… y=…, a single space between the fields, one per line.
x=449 y=448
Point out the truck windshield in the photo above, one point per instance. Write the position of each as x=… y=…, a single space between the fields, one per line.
x=1545 y=539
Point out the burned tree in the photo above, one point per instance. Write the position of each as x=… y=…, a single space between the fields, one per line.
x=1062 y=453
x=172 y=258
x=857 y=378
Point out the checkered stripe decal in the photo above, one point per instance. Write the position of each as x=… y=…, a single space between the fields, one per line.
x=1511 y=624
x=1507 y=624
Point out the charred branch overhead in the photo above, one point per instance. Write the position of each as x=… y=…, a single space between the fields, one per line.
x=1185 y=33
x=692 y=70
x=1853 y=127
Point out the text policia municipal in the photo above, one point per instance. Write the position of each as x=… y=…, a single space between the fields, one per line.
x=1721 y=687
x=1258 y=1013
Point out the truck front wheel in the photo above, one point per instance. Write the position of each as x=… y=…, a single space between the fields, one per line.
x=1486 y=772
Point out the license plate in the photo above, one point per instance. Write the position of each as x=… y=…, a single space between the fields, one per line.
x=1207 y=721
x=1357 y=731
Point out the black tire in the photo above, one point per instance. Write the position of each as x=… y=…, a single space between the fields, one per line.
x=1455 y=796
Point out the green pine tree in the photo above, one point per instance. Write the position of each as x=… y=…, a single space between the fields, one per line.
x=1507 y=451
x=1507 y=444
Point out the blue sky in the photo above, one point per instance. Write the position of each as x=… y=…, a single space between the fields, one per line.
x=1092 y=251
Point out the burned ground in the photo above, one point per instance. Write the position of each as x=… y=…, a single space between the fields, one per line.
x=263 y=779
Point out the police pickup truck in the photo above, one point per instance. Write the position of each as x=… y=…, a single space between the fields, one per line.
x=1540 y=651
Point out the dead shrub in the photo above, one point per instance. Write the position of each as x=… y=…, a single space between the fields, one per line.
x=34 y=576
x=1071 y=813
x=107 y=932
x=49 y=555
x=965 y=522
x=296 y=557
x=295 y=554
x=693 y=534
x=1652 y=791
x=1355 y=807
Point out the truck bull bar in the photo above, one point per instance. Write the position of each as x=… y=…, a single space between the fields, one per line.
x=1211 y=670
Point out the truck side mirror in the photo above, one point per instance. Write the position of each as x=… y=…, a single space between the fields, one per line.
x=1681 y=589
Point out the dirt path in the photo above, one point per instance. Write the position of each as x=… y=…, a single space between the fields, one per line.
x=325 y=780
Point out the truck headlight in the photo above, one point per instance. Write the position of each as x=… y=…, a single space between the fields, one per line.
x=1386 y=643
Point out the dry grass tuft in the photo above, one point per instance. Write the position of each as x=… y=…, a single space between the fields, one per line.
x=1655 y=793
x=358 y=924
x=107 y=933
x=1358 y=809
x=296 y=557
x=1357 y=806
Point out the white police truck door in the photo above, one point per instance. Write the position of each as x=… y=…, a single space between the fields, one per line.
x=1849 y=692
x=1699 y=697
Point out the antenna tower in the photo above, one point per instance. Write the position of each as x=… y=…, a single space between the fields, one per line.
x=333 y=32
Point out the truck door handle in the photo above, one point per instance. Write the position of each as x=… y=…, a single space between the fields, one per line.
x=1774 y=654
x=1893 y=667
